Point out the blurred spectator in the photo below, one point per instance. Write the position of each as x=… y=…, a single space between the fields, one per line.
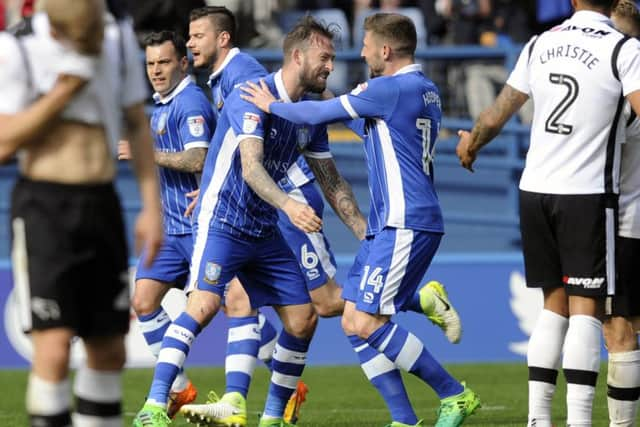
x=550 y=13
x=155 y=15
x=347 y=6
x=14 y=11
x=255 y=18
x=466 y=19
x=484 y=79
x=436 y=24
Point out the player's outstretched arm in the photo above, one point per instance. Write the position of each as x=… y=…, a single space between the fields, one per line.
x=304 y=112
x=256 y=176
x=489 y=124
x=339 y=194
x=148 y=227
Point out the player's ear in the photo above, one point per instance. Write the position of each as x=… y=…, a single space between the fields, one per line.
x=184 y=64
x=224 y=39
x=386 y=51
x=296 y=54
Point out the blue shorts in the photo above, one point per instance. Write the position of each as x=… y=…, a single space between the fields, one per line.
x=172 y=262
x=266 y=268
x=311 y=249
x=389 y=268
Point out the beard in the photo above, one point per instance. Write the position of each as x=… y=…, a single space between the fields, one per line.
x=309 y=80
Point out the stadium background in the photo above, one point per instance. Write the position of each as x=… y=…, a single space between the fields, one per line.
x=479 y=259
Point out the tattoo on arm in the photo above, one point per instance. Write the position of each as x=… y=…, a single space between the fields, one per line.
x=191 y=160
x=493 y=118
x=338 y=193
x=256 y=176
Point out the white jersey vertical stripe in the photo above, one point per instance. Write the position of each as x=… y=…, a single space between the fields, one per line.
x=397 y=270
x=610 y=256
x=209 y=202
x=20 y=264
x=396 y=210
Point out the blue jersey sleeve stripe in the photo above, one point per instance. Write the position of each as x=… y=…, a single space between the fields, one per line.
x=348 y=107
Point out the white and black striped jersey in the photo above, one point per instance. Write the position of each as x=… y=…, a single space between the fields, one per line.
x=577 y=74
x=629 y=202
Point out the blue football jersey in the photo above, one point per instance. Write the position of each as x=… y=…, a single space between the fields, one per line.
x=182 y=120
x=237 y=68
x=402 y=115
x=227 y=203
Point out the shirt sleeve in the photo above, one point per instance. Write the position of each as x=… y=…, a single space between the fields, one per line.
x=134 y=84
x=13 y=79
x=318 y=147
x=195 y=124
x=373 y=99
x=246 y=120
x=519 y=77
x=629 y=66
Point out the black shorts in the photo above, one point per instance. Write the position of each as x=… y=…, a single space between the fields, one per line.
x=626 y=301
x=69 y=256
x=569 y=240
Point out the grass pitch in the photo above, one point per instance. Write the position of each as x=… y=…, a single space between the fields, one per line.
x=341 y=396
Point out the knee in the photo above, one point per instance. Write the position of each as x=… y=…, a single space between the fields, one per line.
x=143 y=306
x=106 y=353
x=619 y=335
x=327 y=308
x=364 y=324
x=303 y=326
x=55 y=356
x=202 y=306
x=147 y=297
x=347 y=325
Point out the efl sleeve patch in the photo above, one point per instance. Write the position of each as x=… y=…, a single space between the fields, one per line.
x=196 y=125
x=250 y=122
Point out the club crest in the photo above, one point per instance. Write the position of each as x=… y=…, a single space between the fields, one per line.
x=162 y=123
x=212 y=273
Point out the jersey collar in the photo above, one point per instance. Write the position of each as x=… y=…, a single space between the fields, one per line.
x=158 y=99
x=282 y=91
x=233 y=52
x=590 y=15
x=411 y=68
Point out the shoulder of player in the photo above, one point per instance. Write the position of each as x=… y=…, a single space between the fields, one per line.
x=10 y=53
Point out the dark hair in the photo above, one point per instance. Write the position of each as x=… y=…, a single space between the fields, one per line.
x=221 y=18
x=303 y=30
x=606 y=4
x=396 y=29
x=155 y=39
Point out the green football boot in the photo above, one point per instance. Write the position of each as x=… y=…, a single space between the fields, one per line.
x=151 y=416
x=455 y=409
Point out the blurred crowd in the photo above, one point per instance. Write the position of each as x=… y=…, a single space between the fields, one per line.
x=466 y=88
x=485 y=22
